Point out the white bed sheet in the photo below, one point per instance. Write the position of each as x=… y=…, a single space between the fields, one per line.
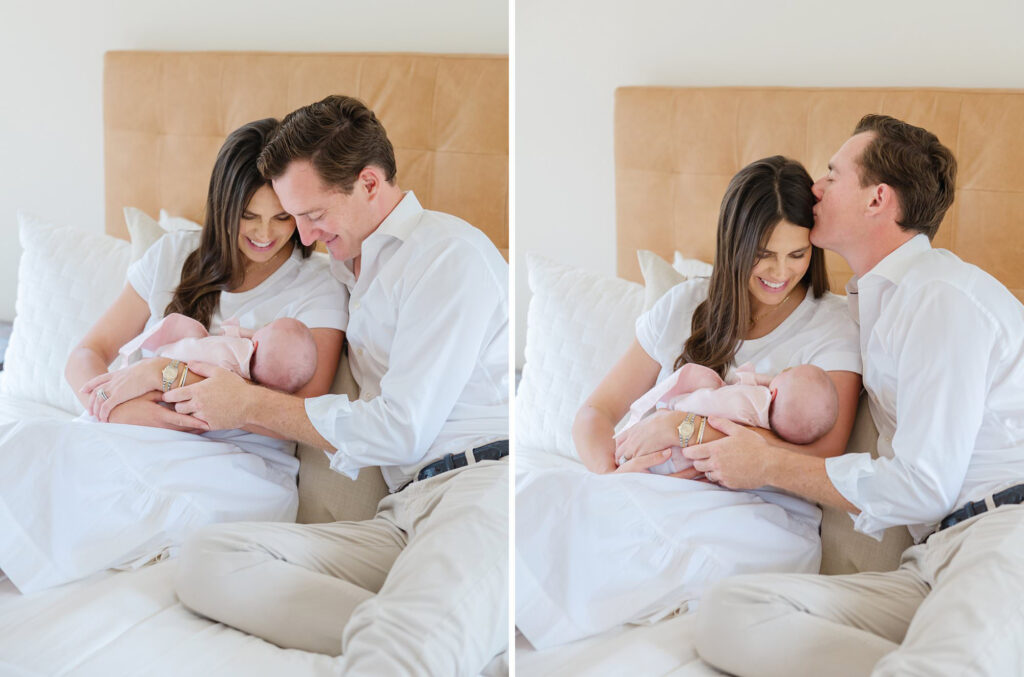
x=664 y=648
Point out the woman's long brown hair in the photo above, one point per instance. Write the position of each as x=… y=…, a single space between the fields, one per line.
x=758 y=198
x=218 y=265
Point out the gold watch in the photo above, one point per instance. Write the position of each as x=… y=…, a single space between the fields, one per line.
x=686 y=429
x=169 y=373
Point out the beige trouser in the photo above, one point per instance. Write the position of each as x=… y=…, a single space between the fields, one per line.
x=955 y=606
x=420 y=589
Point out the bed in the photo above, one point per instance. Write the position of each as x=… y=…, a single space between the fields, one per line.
x=675 y=151
x=165 y=116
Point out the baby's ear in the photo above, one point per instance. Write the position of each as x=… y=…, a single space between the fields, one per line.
x=774 y=391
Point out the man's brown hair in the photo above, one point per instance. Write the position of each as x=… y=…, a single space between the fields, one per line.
x=915 y=164
x=339 y=136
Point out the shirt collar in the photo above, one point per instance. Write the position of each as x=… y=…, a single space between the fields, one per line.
x=896 y=264
x=402 y=220
x=399 y=224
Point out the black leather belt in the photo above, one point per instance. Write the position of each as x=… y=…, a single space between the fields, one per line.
x=488 y=452
x=1010 y=496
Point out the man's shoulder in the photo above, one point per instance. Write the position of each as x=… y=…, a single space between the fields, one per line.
x=441 y=232
x=940 y=274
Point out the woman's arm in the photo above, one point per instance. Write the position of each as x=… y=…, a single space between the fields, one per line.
x=328 y=356
x=121 y=322
x=659 y=430
x=633 y=375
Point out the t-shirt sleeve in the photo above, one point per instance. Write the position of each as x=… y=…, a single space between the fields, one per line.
x=834 y=340
x=142 y=273
x=157 y=274
x=324 y=303
x=664 y=328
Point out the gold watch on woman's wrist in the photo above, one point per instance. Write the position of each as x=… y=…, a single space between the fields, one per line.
x=686 y=429
x=169 y=374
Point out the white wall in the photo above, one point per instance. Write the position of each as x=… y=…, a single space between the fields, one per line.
x=571 y=55
x=51 y=77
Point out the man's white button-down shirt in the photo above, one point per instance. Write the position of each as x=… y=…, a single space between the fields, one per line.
x=943 y=349
x=428 y=346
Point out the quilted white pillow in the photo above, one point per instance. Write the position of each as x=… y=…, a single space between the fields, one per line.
x=578 y=325
x=66 y=279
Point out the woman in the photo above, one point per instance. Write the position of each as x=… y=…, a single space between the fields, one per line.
x=631 y=546
x=79 y=497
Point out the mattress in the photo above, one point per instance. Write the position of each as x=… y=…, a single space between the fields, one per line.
x=664 y=648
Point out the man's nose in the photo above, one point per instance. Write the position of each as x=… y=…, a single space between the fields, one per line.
x=307 y=233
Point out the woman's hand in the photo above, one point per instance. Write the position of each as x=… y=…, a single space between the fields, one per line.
x=147 y=410
x=123 y=385
x=644 y=462
x=650 y=435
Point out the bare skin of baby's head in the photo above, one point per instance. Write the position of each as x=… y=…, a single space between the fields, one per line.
x=285 y=355
x=805 y=404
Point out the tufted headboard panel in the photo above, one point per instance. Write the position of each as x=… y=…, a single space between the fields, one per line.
x=167 y=113
x=677 y=147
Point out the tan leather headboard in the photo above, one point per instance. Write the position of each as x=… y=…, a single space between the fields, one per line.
x=676 y=149
x=167 y=113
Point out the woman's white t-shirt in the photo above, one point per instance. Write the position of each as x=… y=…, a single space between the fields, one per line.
x=303 y=289
x=819 y=332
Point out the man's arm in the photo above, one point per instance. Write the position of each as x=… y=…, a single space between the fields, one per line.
x=225 y=400
x=745 y=460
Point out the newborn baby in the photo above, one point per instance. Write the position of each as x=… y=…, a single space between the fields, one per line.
x=281 y=355
x=799 y=405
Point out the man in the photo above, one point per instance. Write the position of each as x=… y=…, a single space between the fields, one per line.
x=422 y=587
x=943 y=369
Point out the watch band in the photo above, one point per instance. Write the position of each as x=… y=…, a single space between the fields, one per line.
x=686 y=429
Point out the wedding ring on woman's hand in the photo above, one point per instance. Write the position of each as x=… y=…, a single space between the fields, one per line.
x=103 y=394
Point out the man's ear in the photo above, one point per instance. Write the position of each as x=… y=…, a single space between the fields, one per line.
x=370 y=181
x=882 y=199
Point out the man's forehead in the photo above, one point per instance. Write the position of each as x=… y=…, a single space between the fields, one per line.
x=851 y=149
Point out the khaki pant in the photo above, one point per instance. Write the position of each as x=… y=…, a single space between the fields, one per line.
x=955 y=606
x=420 y=589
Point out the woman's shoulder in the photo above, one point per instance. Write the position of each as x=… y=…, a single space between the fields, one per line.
x=830 y=315
x=689 y=293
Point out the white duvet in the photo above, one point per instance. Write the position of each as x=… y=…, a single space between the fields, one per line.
x=663 y=648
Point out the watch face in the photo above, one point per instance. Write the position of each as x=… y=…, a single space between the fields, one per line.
x=686 y=428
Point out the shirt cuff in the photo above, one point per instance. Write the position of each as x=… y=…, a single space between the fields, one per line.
x=327 y=413
x=846 y=472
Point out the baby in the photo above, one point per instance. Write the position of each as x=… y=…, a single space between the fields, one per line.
x=799 y=405
x=281 y=355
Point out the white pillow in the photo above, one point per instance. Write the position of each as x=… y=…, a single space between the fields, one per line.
x=690 y=267
x=173 y=223
x=578 y=325
x=659 y=276
x=66 y=279
x=143 y=230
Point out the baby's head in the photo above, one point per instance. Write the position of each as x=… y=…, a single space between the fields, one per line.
x=285 y=355
x=805 y=404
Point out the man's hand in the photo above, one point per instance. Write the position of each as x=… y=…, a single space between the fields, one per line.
x=147 y=410
x=221 y=400
x=740 y=460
